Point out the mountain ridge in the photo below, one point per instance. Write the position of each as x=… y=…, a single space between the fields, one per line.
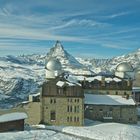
x=23 y=75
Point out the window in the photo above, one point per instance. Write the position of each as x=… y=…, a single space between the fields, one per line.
x=75 y=109
x=124 y=93
x=71 y=119
x=70 y=100
x=54 y=101
x=101 y=110
x=116 y=92
x=51 y=101
x=68 y=108
x=78 y=109
x=77 y=100
x=74 y=119
x=53 y=115
x=77 y=119
x=130 y=119
x=68 y=119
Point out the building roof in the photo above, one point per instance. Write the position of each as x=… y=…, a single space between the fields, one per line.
x=124 y=67
x=13 y=116
x=62 y=83
x=107 y=100
x=134 y=89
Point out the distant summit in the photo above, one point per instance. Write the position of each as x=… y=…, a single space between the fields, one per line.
x=63 y=56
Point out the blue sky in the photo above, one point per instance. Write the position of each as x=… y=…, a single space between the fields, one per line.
x=86 y=28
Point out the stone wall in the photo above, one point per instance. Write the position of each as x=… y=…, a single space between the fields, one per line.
x=109 y=92
x=122 y=114
x=60 y=106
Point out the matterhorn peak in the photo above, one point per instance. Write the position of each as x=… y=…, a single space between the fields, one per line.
x=58 y=45
x=57 y=51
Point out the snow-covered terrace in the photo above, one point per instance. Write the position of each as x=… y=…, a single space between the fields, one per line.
x=107 y=100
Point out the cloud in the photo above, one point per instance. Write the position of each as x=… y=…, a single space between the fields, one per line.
x=118 y=14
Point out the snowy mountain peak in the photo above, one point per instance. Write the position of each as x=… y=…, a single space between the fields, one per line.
x=62 y=55
x=58 y=45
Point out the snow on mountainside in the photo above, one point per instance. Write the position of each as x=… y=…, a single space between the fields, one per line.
x=63 y=56
x=110 y=64
x=69 y=63
x=23 y=75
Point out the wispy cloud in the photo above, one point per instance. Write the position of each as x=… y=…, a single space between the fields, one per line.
x=118 y=14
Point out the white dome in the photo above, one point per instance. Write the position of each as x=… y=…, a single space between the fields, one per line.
x=124 y=67
x=53 y=65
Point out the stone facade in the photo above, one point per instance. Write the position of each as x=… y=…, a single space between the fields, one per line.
x=110 y=92
x=67 y=111
x=62 y=105
x=113 y=113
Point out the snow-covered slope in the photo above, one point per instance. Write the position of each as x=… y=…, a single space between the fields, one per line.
x=22 y=75
x=63 y=56
x=110 y=64
x=69 y=63
x=92 y=130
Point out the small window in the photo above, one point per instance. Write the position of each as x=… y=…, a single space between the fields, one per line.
x=130 y=119
x=70 y=108
x=53 y=115
x=54 y=101
x=51 y=101
x=77 y=119
x=116 y=92
x=75 y=109
x=68 y=119
x=70 y=100
x=124 y=93
x=74 y=119
x=77 y=100
x=101 y=110
x=71 y=119
x=78 y=109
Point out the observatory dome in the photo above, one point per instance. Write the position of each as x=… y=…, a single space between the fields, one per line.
x=124 y=67
x=53 y=65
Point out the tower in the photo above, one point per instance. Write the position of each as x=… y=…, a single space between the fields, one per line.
x=62 y=102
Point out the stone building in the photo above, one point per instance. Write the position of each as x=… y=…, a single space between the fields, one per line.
x=113 y=108
x=62 y=102
x=112 y=85
x=119 y=83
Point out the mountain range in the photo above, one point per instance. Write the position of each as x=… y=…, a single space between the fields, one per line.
x=23 y=75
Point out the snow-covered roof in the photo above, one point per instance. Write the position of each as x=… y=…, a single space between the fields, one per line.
x=13 y=116
x=62 y=83
x=107 y=100
x=136 y=89
x=35 y=95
